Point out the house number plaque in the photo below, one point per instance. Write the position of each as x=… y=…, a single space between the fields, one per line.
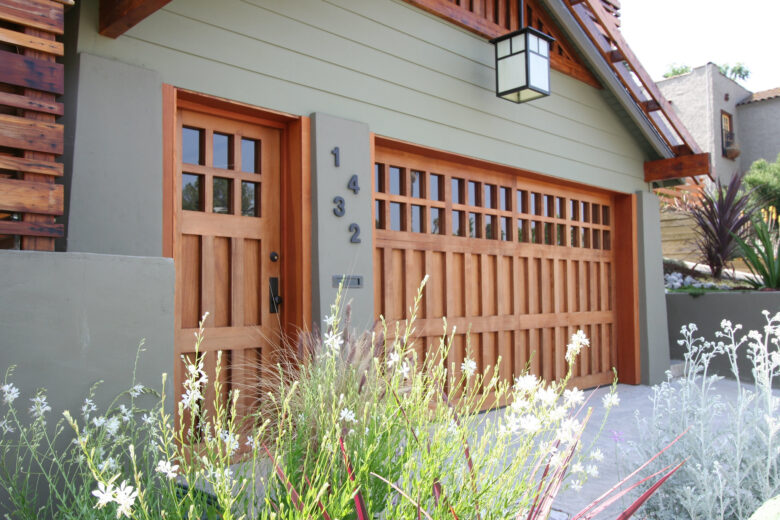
x=340 y=205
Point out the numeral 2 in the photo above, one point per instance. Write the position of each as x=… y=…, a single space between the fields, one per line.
x=355 y=229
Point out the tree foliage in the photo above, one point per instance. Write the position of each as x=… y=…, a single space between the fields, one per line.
x=677 y=70
x=763 y=178
x=735 y=72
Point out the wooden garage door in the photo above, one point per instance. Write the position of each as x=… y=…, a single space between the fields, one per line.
x=226 y=244
x=519 y=262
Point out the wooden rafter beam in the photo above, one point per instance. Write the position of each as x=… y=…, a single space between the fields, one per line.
x=677 y=167
x=117 y=16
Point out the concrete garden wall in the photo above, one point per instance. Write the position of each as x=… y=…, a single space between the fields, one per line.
x=69 y=320
x=707 y=311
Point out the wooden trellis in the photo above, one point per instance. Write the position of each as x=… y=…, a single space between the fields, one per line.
x=30 y=138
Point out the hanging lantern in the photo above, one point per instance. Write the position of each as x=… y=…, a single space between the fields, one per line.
x=523 y=64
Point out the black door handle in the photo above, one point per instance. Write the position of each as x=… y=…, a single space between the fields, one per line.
x=275 y=299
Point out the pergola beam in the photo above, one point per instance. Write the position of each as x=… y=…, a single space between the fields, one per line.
x=118 y=16
x=677 y=167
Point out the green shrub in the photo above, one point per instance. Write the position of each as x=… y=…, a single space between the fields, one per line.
x=761 y=254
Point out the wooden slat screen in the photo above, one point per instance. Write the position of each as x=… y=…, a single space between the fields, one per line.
x=520 y=263
x=30 y=138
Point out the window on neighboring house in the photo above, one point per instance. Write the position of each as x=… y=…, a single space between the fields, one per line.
x=727 y=134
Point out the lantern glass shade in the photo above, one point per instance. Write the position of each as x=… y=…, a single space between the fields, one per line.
x=523 y=65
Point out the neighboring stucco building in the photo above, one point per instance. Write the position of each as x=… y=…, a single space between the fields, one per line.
x=255 y=152
x=736 y=126
x=758 y=120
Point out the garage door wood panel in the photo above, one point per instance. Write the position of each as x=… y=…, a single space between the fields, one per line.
x=518 y=262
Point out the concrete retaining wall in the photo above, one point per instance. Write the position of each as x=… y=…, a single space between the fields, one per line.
x=708 y=310
x=69 y=320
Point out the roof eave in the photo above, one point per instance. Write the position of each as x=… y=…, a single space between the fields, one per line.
x=604 y=73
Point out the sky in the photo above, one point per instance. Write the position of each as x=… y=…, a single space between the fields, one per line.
x=694 y=32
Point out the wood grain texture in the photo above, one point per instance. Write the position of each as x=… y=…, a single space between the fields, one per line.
x=678 y=167
x=31 y=72
x=31 y=42
x=26 y=103
x=21 y=164
x=31 y=197
x=118 y=16
x=39 y=14
x=28 y=134
x=31 y=229
x=627 y=289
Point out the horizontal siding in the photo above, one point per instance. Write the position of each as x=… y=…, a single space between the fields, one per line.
x=408 y=74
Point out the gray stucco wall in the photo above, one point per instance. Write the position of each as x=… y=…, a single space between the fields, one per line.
x=405 y=73
x=707 y=311
x=654 y=353
x=69 y=320
x=115 y=174
x=698 y=98
x=759 y=126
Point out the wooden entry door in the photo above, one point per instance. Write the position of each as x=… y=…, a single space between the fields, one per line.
x=518 y=261
x=227 y=243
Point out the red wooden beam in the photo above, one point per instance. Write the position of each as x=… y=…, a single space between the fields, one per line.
x=117 y=16
x=677 y=167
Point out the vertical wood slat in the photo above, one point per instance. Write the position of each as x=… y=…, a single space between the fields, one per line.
x=30 y=242
x=491 y=278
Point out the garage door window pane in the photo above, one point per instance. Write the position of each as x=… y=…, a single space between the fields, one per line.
x=490 y=226
x=506 y=228
x=437 y=223
x=436 y=187
x=522 y=230
x=416 y=181
x=474 y=226
x=473 y=191
x=506 y=199
x=192 y=145
x=490 y=196
x=457 y=191
x=191 y=192
x=379 y=178
x=522 y=201
x=605 y=215
x=457 y=223
x=395 y=180
x=417 y=219
x=396 y=210
x=379 y=214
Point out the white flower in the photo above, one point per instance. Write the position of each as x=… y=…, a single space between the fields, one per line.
x=525 y=383
x=10 y=392
x=592 y=470
x=126 y=413
x=167 y=469
x=610 y=400
x=557 y=413
x=597 y=455
x=469 y=367
x=333 y=341
x=125 y=498
x=404 y=370
x=104 y=494
x=329 y=320
x=576 y=485
x=577 y=468
x=147 y=419
x=112 y=425
x=108 y=465
x=99 y=421
x=568 y=430
x=546 y=396
x=39 y=407
x=393 y=359
x=230 y=440
x=136 y=390
x=6 y=427
x=453 y=427
x=88 y=407
x=530 y=423
x=578 y=340
x=347 y=415
x=191 y=397
x=250 y=441
x=573 y=397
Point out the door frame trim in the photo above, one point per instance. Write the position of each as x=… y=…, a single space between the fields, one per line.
x=295 y=192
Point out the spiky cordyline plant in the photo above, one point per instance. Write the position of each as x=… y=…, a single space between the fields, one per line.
x=720 y=214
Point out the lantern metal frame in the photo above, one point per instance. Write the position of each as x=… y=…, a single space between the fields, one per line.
x=524 y=32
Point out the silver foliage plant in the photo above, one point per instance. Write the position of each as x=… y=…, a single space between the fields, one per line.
x=732 y=447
